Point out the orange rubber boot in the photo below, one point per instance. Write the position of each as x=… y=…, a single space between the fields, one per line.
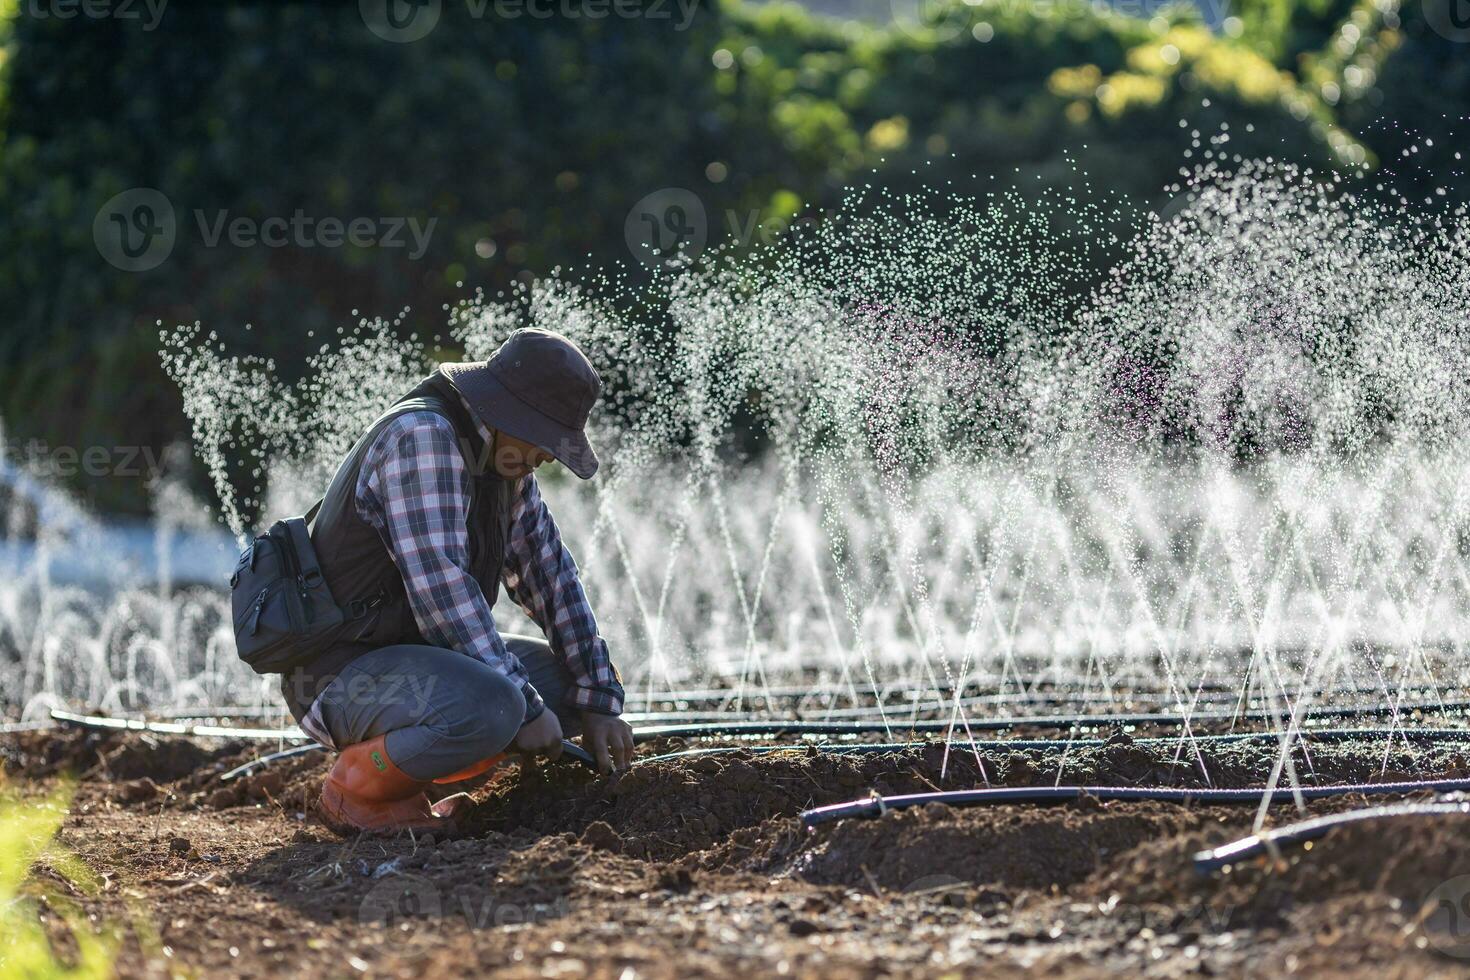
x=451 y=807
x=471 y=771
x=366 y=791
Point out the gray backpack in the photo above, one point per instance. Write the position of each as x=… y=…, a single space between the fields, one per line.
x=284 y=612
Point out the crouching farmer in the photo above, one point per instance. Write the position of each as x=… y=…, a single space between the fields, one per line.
x=432 y=511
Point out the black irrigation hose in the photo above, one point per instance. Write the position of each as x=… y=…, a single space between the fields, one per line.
x=1052 y=722
x=1207 y=862
x=1045 y=744
x=929 y=704
x=1040 y=691
x=875 y=805
x=776 y=728
x=578 y=753
x=898 y=712
x=256 y=764
x=100 y=723
x=926 y=700
x=228 y=711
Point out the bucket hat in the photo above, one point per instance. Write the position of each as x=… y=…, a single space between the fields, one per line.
x=538 y=386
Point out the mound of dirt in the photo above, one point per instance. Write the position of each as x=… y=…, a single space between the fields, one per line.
x=1016 y=848
x=690 y=804
x=110 y=755
x=672 y=868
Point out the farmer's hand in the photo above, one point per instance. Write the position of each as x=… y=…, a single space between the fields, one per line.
x=609 y=739
x=541 y=736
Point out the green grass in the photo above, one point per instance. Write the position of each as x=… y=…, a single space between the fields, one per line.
x=27 y=841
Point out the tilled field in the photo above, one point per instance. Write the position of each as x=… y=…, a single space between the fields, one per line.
x=699 y=866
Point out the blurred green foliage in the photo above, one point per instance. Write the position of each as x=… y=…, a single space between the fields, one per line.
x=529 y=140
x=27 y=831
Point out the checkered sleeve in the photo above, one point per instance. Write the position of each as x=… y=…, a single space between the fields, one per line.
x=541 y=577
x=414 y=488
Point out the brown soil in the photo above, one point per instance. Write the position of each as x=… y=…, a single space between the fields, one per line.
x=698 y=866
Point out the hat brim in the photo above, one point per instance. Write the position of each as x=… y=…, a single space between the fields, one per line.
x=500 y=408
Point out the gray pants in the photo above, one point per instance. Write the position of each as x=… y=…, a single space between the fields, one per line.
x=440 y=710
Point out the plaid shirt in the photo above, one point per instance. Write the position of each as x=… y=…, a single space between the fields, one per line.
x=414 y=487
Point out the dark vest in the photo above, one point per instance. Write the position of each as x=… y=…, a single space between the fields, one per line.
x=355 y=560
